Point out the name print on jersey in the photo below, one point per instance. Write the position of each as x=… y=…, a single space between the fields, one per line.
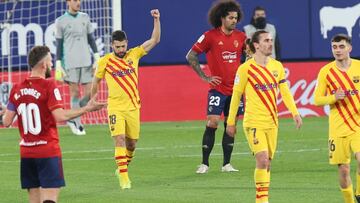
x=27 y=91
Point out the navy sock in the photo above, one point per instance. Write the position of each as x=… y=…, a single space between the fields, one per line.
x=207 y=144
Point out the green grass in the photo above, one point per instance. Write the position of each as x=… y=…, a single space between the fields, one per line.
x=164 y=166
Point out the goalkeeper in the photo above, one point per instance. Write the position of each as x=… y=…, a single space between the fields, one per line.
x=74 y=33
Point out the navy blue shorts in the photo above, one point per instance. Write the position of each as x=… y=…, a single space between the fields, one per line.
x=41 y=172
x=219 y=103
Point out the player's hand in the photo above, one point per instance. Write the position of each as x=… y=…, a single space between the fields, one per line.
x=231 y=130
x=298 y=121
x=155 y=13
x=339 y=94
x=59 y=71
x=213 y=80
x=93 y=105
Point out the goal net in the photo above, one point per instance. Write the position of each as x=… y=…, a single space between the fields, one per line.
x=25 y=23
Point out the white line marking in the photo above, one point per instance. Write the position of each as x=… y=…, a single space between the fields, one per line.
x=165 y=156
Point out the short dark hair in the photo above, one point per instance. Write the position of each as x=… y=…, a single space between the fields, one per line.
x=258 y=8
x=36 y=54
x=221 y=9
x=118 y=35
x=339 y=37
x=255 y=39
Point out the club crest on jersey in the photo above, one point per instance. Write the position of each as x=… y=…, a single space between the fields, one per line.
x=112 y=128
x=275 y=73
x=236 y=43
x=356 y=79
x=221 y=43
x=210 y=108
x=130 y=62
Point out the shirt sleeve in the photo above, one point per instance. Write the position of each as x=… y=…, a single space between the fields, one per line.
x=137 y=52
x=54 y=97
x=203 y=43
x=286 y=93
x=58 y=30
x=320 y=96
x=101 y=68
x=89 y=27
x=240 y=83
x=11 y=104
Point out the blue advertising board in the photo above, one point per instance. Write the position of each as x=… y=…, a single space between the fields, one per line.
x=330 y=17
x=297 y=24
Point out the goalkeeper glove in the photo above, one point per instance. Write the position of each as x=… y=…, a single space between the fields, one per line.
x=59 y=71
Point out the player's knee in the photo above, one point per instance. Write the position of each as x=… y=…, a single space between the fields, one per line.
x=119 y=140
x=130 y=146
x=262 y=160
x=213 y=122
x=344 y=170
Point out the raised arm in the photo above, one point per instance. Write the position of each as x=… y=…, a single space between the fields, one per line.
x=155 y=36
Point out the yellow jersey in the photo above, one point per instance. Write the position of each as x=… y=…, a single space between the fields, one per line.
x=261 y=86
x=344 y=118
x=121 y=75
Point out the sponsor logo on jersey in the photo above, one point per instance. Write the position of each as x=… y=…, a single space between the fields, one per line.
x=122 y=73
x=266 y=87
x=347 y=92
x=227 y=55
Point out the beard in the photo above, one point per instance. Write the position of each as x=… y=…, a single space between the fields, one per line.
x=48 y=73
x=120 y=55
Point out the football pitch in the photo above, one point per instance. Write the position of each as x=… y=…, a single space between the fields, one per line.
x=168 y=153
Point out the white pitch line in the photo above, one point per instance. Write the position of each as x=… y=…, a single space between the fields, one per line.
x=181 y=155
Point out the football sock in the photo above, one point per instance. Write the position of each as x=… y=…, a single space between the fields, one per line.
x=262 y=183
x=357 y=192
x=74 y=105
x=208 y=143
x=227 y=145
x=348 y=194
x=129 y=155
x=84 y=101
x=121 y=162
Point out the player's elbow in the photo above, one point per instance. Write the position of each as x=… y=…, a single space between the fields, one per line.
x=317 y=101
x=157 y=40
x=190 y=55
x=59 y=115
x=60 y=118
x=7 y=122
